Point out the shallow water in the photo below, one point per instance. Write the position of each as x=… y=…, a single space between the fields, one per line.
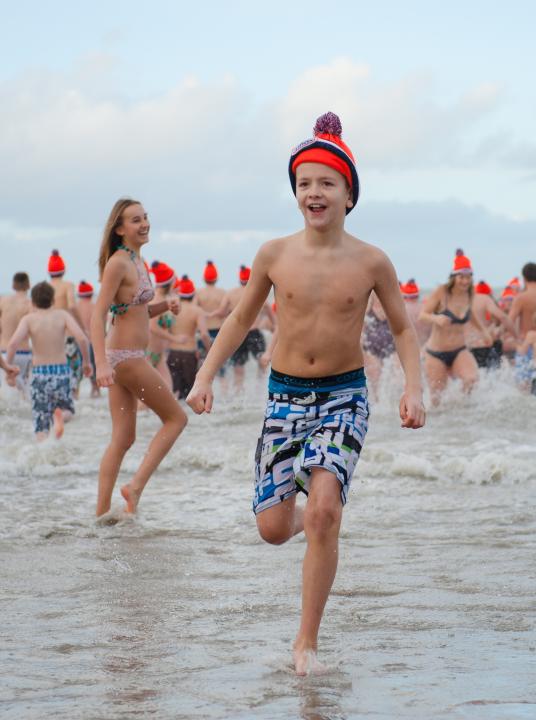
x=185 y=613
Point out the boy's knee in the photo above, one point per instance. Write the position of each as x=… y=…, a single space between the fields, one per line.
x=272 y=533
x=322 y=519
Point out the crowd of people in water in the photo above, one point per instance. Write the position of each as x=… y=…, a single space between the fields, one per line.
x=152 y=339
x=462 y=327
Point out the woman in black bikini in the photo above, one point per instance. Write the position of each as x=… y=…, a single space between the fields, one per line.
x=448 y=309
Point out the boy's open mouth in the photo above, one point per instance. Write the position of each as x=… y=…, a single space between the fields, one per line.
x=316 y=207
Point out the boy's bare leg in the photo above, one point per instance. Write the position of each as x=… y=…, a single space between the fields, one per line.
x=58 y=423
x=143 y=381
x=123 y=411
x=322 y=520
x=278 y=524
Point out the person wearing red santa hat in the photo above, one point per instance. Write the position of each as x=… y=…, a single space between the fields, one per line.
x=317 y=413
x=85 y=306
x=160 y=337
x=209 y=299
x=183 y=356
x=449 y=310
x=496 y=322
x=122 y=367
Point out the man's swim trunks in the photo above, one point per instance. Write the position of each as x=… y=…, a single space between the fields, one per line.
x=182 y=365
x=309 y=422
x=253 y=343
x=50 y=389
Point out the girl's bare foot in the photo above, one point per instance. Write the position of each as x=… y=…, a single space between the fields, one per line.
x=131 y=497
x=58 y=423
x=306 y=662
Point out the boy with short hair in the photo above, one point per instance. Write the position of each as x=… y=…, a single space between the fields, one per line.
x=50 y=385
x=317 y=414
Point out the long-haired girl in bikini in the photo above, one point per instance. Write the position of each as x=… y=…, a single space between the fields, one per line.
x=449 y=309
x=120 y=359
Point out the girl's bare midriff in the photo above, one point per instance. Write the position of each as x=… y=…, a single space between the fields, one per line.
x=130 y=330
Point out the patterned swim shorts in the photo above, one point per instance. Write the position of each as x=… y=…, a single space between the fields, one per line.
x=305 y=430
x=50 y=389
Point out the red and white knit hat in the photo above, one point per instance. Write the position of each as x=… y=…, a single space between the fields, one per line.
x=410 y=290
x=210 y=274
x=56 y=266
x=243 y=274
x=327 y=148
x=186 y=287
x=163 y=274
x=462 y=264
x=84 y=289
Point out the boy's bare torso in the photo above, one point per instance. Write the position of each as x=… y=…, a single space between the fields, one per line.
x=12 y=309
x=321 y=295
x=525 y=304
x=47 y=333
x=185 y=327
x=209 y=299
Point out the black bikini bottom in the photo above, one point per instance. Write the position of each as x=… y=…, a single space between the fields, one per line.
x=446 y=356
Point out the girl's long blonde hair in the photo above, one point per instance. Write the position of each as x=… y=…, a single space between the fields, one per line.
x=110 y=239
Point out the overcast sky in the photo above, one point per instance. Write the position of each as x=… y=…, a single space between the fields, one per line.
x=193 y=109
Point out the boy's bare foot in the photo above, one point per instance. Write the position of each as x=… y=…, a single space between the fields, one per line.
x=131 y=498
x=306 y=662
x=58 y=423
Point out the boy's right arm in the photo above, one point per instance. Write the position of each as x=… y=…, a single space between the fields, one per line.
x=74 y=329
x=111 y=280
x=233 y=331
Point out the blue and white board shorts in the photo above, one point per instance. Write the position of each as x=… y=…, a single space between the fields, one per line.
x=308 y=430
x=50 y=389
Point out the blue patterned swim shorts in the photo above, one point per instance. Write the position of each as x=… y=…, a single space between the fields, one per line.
x=50 y=389
x=304 y=429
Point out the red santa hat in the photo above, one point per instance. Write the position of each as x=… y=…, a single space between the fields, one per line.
x=56 y=266
x=243 y=274
x=482 y=288
x=84 y=289
x=410 y=290
x=210 y=275
x=163 y=274
x=515 y=284
x=462 y=264
x=186 y=287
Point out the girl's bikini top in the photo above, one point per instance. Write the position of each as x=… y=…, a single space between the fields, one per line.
x=145 y=291
x=455 y=320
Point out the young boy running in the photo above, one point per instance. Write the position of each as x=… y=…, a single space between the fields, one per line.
x=50 y=385
x=317 y=413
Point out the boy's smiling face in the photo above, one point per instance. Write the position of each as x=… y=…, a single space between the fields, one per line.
x=323 y=195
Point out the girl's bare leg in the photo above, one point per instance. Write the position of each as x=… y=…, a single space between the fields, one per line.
x=123 y=411
x=437 y=375
x=465 y=367
x=145 y=383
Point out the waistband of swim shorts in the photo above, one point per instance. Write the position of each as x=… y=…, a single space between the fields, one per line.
x=62 y=369
x=285 y=384
x=18 y=352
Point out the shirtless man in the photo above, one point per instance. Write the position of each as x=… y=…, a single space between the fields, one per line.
x=254 y=342
x=183 y=355
x=524 y=305
x=50 y=385
x=490 y=317
x=209 y=299
x=12 y=309
x=64 y=299
x=317 y=414
x=411 y=294
x=85 y=307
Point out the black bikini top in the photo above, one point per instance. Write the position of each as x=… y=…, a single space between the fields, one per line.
x=455 y=320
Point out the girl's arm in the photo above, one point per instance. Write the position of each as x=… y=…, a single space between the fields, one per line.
x=113 y=276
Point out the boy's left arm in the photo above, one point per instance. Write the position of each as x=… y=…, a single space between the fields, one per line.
x=386 y=287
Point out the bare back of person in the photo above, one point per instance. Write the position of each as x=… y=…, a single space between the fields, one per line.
x=209 y=299
x=85 y=307
x=63 y=294
x=47 y=332
x=524 y=307
x=12 y=309
x=320 y=321
x=185 y=328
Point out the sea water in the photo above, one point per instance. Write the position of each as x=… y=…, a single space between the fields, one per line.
x=183 y=612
